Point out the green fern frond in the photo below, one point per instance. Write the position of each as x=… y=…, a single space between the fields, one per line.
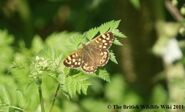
x=65 y=42
x=4 y=98
x=108 y=26
x=103 y=74
x=113 y=57
x=117 y=33
x=117 y=42
x=8 y=100
x=21 y=102
x=76 y=84
x=114 y=24
x=91 y=33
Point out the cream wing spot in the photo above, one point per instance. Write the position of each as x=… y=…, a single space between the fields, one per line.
x=108 y=35
x=103 y=36
x=104 y=41
x=73 y=60
x=108 y=38
x=68 y=62
x=73 y=56
x=97 y=41
x=105 y=44
x=76 y=54
x=69 y=58
x=101 y=53
x=91 y=67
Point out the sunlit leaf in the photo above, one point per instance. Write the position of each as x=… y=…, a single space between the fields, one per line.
x=113 y=57
x=117 y=42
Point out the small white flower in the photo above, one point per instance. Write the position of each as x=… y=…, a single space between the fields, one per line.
x=171 y=52
x=37 y=58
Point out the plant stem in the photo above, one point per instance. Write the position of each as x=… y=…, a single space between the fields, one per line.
x=54 y=98
x=41 y=96
x=10 y=106
x=173 y=10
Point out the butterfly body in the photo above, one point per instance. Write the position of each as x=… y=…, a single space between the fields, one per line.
x=92 y=55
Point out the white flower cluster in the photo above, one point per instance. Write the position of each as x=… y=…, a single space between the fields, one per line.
x=40 y=64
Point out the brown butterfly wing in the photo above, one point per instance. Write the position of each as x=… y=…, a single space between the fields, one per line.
x=104 y=43
x=74 y=60
x=97 y=52
x=92 y=55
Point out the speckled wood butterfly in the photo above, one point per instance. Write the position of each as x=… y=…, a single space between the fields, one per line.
x=92 y=55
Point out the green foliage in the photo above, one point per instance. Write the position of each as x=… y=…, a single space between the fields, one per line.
x=135 y=3
x=90 y=104
x=91 y=33
x=113 y=57
x=77 y=83
x=30 y=59
x=117 y=33
x=5 y=48
x=42 y=66
x=159 y=91
x=115 y=96
x=117 y=42
x=112 y=25
x=103 y=74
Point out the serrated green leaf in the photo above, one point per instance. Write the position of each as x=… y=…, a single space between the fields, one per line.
x=115 y=24
x=91 y=33
x=105 y=26
x=69 y=84
x=21 y=101
x=79 y=89
x=84 y=89
x=77 y=39
x=73 y=88
x=70 y=41
x=113 y=57
x=103 y=74
x=111 y=25
x=117 y=33
x=117 y=42
x=4 y=96
x=76 y=84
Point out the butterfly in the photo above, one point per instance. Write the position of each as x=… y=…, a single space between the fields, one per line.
x=92 y=55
